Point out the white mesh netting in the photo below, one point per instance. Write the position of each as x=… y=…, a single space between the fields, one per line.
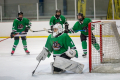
x=110 y=62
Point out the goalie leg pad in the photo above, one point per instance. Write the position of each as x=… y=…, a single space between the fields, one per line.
x=68 y=65
x=55 y=70
x=42 y=55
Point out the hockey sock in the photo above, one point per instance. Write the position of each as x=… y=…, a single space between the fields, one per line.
x=24 y=44
x=15 y=44
x=96 y=45
x=84 y=46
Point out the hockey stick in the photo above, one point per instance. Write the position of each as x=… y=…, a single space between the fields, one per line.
x=80 y=30
x=36 y=67
x=37 y=31
x=4 y=39
x=47 y=30
x=9 y=37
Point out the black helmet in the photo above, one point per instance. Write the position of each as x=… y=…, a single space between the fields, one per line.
x=57 y=16
x=80 y=14
x=58 y=10
x=20 y=13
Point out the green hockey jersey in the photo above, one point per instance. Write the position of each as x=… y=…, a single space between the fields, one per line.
x=54 y=20
x=78 y=26
x=19 y=26
x=59 y=45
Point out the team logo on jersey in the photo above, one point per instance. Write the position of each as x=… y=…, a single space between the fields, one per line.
x=56 y=45
x=20 y=26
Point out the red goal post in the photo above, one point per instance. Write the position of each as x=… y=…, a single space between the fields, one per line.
x=90 y=57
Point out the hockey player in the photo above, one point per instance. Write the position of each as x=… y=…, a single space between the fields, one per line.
x=58 y=18
x=63 y=50
x=20 y=27
x=82 y=24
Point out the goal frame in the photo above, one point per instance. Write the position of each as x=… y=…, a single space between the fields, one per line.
x=90 y=44
x=116 y=36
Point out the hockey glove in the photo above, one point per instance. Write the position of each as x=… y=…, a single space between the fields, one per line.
x=70 y=52
x=12 y=34
x=66 y=28
x=66 y=25
x=26 y=29
x=51 y=27
x=66 y=31
x=86 y=29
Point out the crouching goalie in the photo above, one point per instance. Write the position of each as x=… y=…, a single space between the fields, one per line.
x=63 y=50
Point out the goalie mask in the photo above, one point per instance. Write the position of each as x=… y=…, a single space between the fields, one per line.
x=57 y=29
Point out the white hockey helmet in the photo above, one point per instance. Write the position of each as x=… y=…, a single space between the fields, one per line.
x=60 y=29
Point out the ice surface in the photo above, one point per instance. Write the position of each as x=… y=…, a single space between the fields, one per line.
x=20 y=66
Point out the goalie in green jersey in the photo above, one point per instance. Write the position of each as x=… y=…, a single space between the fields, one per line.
x=82 y=24
x=58 y=18
x=63 y=50
x=20 y=28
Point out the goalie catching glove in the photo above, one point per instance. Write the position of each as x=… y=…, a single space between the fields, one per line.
x=43 y=54
x=70 y=52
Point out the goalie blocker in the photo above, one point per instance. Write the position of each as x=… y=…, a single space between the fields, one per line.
x=43 y=54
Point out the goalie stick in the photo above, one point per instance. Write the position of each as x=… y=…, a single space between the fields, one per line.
x=10 y=37
x=36 y=68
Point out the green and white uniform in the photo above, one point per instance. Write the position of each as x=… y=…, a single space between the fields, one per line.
x=19 y=27
x=80 y=26
x=62 y=20
x=59 y=45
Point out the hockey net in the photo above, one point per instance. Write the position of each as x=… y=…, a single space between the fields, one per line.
x=107 y=59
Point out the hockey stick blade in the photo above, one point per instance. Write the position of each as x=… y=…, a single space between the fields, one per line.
x=35 y=68
x=33 y=72
x=31 y=30
x=47 y=30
